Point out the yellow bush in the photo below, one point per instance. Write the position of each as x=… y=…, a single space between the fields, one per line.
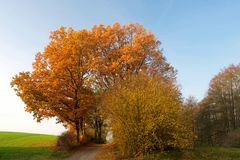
x=145 y=115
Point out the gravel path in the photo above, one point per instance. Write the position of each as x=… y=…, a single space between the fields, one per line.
x=87 y=152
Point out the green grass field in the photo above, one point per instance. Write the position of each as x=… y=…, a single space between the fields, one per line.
x=27 y=146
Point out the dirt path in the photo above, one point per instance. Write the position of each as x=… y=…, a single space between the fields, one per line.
x=87 y=152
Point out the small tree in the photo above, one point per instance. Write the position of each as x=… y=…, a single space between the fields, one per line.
x=192 y=109
x=95 y=120
x=146 y=115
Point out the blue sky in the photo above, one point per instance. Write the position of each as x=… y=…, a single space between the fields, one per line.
x=199 y=38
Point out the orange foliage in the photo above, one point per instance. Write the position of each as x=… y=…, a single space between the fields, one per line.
x=76 y=63
x=128 y=49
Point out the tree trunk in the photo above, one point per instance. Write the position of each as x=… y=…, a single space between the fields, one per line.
x=77 y=131
x=95 y=133
x=100 y=132
x=96 y=130
x=81 y=125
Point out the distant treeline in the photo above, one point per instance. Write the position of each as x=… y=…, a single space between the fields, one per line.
x=216 y=119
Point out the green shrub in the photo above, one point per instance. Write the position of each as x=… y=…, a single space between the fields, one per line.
x=66 y=141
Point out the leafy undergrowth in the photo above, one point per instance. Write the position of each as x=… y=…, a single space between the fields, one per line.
x=200 y=153
x=27 y=146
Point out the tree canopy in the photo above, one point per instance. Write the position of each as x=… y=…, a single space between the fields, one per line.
x=77 y=64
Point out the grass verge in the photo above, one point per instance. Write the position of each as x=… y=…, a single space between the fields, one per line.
x=199 y=153
x=27 y=146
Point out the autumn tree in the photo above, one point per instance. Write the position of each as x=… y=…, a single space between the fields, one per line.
x=58 y=86
x=146 y=114
x=125 y=50
x=221 y=107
